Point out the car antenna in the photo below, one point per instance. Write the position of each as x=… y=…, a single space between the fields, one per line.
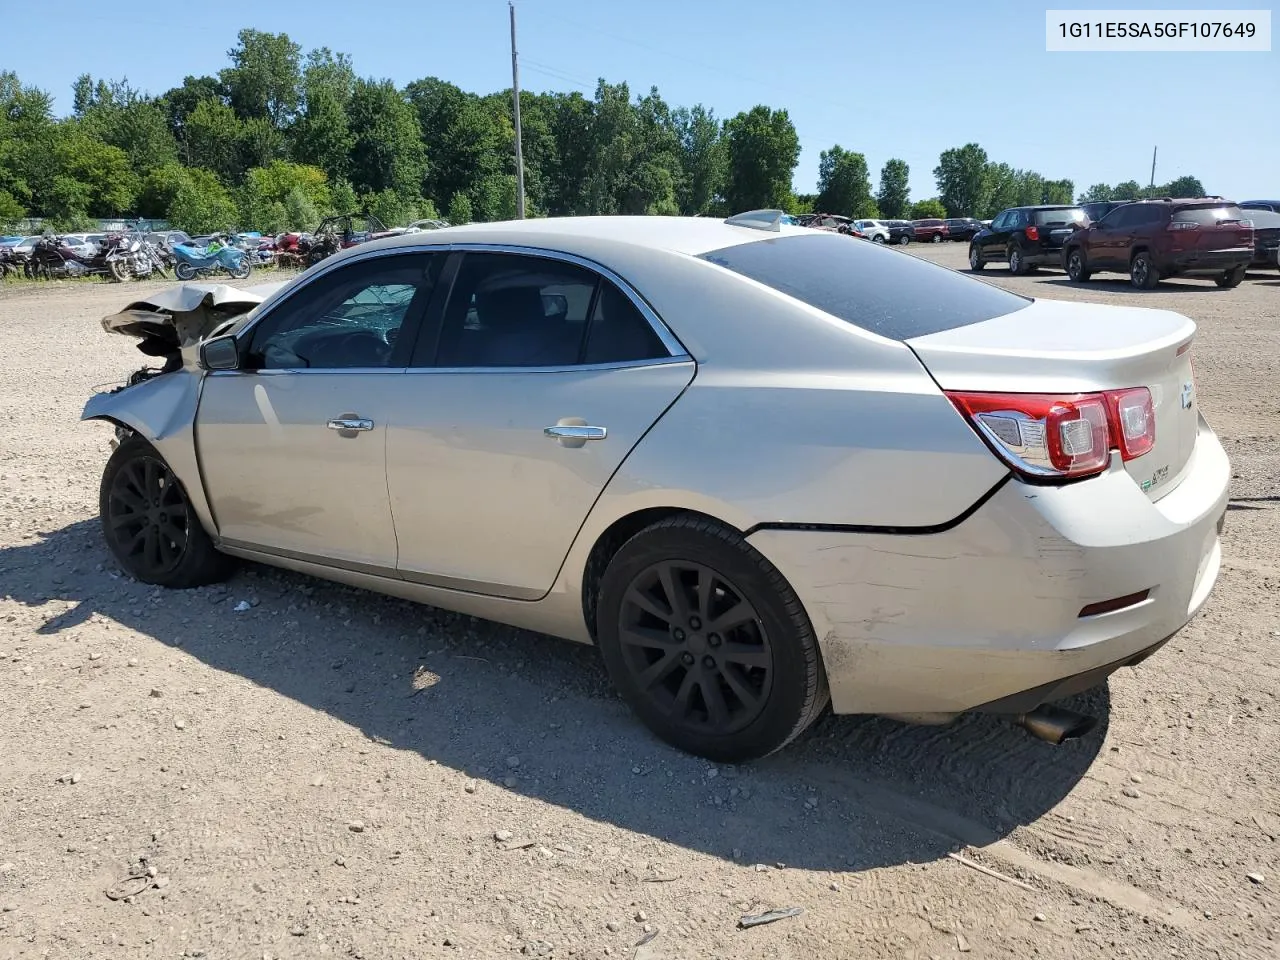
x=770 y=220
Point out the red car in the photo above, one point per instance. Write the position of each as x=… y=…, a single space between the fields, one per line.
x=933 y=230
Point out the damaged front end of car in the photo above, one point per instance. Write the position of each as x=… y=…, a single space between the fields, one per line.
x=158 y=403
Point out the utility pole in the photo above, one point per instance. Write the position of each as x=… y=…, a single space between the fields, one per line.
x=515 y=110
x=1153 y=150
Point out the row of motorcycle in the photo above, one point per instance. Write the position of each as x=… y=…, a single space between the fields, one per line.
x=134 y=255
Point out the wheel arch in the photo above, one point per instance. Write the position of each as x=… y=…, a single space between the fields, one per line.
x=611 y=539
x=162 y=411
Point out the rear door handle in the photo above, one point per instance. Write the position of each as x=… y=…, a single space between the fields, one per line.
x=349 y=423
x=574 y=435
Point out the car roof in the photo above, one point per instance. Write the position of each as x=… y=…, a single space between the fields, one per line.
x=583 y=235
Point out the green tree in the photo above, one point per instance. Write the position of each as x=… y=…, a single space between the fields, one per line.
x=302 y=213
x=703 y=160
x=1099 y=191
x=387 y=152
x=1028 y=188
x=495 y=198
x=459 y=209
x=894 y=196
x=264 y=79
x=260 y=143
x=1127 y=190
x=343 y=199
x=265 y=196
x=928 y=209
x=10 y=209
x=84 y=177
x=121 y=116
x=1058 y=191
x=212 y=135
x=201 y=204
x=763 y=150
x=1002 y=180
x=467 y=137
x=322 y=132
x=961 y=174
x=180 y=102
x=1186 y=186
x=27 y=134
x=844 y=184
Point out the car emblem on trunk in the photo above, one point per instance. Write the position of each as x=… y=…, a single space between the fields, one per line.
x=1188 y=394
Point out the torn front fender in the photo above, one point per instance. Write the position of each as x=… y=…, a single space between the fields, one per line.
x=162 y=410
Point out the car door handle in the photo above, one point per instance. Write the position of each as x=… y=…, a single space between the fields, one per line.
x=349 y=423
x=574 y=435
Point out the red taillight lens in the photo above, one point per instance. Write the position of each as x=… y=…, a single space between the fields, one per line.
x=1133 y=417
x=1061 y=437
x=1033 y=232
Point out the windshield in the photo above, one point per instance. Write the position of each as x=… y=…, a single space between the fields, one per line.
x=880 y=290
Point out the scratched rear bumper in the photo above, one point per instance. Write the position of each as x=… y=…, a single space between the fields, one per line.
x=952 y=621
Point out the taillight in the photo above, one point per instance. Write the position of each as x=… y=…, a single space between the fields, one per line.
x=1033 y=232
x=1134 y=420
x=1046 y=436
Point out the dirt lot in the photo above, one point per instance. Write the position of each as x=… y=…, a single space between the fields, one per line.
x=330 y=773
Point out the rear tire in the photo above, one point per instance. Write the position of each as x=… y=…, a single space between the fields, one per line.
x=120 y=271
x=1142 y=272
x=877 y=239
x=1075 y=267
x=905 y=240
x=184 y=271
x=976 y=262
x=1017 y=264
x=242 y=272
x=1231 y=278
x=937 y=238
x=707 y=642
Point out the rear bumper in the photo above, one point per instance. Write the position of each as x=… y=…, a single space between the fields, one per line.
x=987 y=615
x=1041 y=256
x=1206 y=261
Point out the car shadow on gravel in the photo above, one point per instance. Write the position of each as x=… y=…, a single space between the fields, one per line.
x=535 y=715
x=1119 y=283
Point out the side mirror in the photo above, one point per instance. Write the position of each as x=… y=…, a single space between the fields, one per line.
x=220 y=353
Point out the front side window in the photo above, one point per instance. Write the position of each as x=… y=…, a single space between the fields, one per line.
x=352 y=317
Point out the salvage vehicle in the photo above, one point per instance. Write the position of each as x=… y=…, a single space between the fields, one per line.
x=762 y=468
x=1026 y=238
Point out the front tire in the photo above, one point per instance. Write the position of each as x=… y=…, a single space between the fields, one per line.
x=937 y=238
x=149 y=524
x=1142 y=272
x=976 y=262
x=1231 y=278
x=1076 y=269
x=906 y=238
x=120 y=271
x=877 y=239
x=707 y=642
x=184 y=271
x=242 y=272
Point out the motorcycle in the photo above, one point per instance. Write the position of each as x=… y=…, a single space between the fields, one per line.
x=135 y=257
x=195 y=261
x=54 y=259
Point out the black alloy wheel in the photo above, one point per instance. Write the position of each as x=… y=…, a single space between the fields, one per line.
x=696 y=647
x=148 y=519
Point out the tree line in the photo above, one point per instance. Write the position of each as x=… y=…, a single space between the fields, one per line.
x=280 y=138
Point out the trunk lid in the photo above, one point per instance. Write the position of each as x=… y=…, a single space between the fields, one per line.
x=1211 y=229
x=1054 y=347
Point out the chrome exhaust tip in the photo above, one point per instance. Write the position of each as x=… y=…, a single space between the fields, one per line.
x=1055 y=724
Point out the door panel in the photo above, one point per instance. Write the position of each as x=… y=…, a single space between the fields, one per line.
x=278 y=477
x=483 y=499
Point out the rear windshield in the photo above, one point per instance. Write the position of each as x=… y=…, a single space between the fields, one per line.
x=1208 y=216
x=884 y=291
x=1047 y=218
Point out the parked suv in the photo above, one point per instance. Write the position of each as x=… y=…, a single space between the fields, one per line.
x=1026 y=237
x=901 y=231
x=932 y=230
x=1272 y=205
x=1155 y=239
x=963 y=228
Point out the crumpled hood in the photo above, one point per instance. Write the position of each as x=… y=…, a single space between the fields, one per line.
x=179 y=317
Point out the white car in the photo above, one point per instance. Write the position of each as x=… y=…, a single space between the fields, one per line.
x=873 y=230
x=763 y=468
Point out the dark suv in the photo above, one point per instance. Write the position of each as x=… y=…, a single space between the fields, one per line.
x=1095 y=210
x=963 y=228
x=901 y=231
x=1155 y=239
x=1026 y=237
x=931 y=229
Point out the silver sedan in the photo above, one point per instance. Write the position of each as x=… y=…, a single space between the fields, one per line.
x=764 y=469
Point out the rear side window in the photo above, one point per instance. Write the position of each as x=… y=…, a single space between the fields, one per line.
x=1209 y=216
x=1045 y=218
x=882 y=291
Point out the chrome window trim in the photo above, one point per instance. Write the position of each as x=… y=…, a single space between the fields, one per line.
x=418 y=371
x=669 y=340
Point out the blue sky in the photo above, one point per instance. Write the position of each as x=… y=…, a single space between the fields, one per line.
x=905 y=79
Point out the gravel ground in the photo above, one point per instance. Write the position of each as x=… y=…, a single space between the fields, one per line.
x=332 y=773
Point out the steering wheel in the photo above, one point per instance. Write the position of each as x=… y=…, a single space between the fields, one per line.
x=363 y=346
